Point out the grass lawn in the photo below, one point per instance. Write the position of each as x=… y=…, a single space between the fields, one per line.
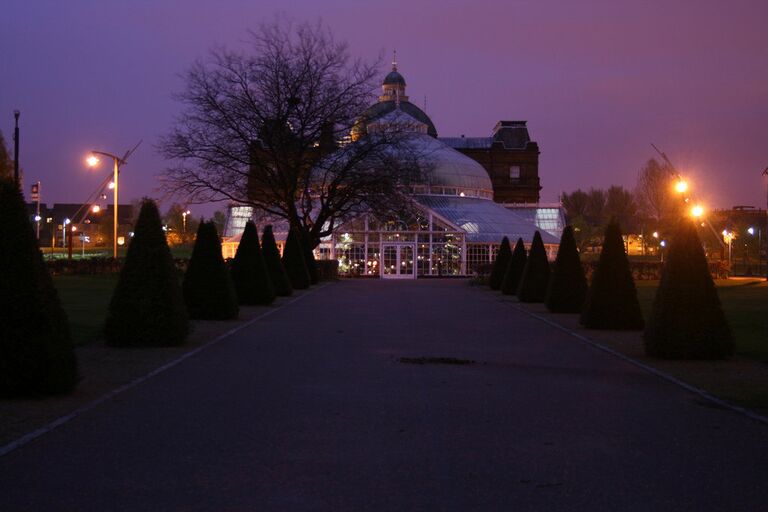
x=745 y=302
x=85 y=299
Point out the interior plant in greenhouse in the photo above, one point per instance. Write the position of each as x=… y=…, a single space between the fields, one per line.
x=275 y=267
x=514 y=269
x=535 y=278
x=294 y=260
x=687 y=320
x=36 y=353
x=500 y=265
x=568 y=284
x=611 y=301
x=147 y=306
x=208 y=290
x=249 y=270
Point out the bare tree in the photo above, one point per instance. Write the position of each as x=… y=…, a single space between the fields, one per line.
x=6 y=164
x=654 y=192
x=270 y=129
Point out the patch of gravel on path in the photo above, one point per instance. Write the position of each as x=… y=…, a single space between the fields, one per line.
x=740 y=381
x=104 y=368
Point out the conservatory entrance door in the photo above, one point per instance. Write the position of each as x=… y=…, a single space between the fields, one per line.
x=397 y=261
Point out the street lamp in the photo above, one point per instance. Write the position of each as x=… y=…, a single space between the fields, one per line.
x=93 y=161
x=697 y=211
x=681 y=186
x=184 y=221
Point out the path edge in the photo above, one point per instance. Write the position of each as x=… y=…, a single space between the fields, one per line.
x=31 y=436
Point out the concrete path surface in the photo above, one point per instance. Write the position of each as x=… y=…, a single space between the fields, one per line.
x=311 y=409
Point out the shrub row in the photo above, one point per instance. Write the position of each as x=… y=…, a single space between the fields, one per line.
x=687 y=321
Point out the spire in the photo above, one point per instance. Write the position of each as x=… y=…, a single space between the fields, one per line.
x=394 y=60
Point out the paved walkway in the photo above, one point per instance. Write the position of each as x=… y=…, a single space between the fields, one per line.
x=309 y=409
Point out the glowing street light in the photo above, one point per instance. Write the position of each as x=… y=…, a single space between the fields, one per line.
x=681 y=186
x=96 y=208
x=184 y=221
x=697 y=211
x=93 y=161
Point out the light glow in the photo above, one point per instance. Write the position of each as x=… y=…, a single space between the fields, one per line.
x=697 y=211
x=681 y=186
x=111 y=185
x=92 y=161
x=96 y=208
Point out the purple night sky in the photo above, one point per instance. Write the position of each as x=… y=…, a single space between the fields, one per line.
x=597 y=81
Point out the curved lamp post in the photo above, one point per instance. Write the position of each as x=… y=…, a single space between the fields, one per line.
x=93 y=161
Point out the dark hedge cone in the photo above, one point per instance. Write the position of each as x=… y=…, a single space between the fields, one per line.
x=275 y=267
x=295 y=262
x=514 y=269
x=36 y=354
x=612 y=298
x=249 y=271
x=309 y=258
x=500 y=265
x=567 y=285
x=208 y=290
x=687 y=320
x=147 y=307
x=535 y=279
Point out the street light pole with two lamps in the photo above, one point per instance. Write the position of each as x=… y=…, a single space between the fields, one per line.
x=93 y=161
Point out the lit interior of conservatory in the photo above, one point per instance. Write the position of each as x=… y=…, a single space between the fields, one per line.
x=420 y=246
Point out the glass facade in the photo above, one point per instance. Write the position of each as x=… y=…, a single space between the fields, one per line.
x=421 y=245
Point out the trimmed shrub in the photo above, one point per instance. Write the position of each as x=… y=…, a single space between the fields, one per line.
x=328 y=269
x=514 y=269
x=208 y=290
x=309 y=258
x=294 y=261
x=612 y=298
x=500 y=265
x=535 y=278
x=147 y=307
x=36 y=354
x=687 y=320
x=249 y=272
x=275 y=267
x=567 y=285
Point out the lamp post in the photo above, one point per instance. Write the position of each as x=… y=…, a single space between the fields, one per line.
x=184 y=222
x=93 y=161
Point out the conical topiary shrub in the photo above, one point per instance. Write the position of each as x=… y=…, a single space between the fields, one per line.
x=611 y=301
x=208 y=290
x=514 y=269
x=249 y=272
x=275 y=267
x=500 y=265
x=294 y=261
x=687 y=321
x=309 y=258
x=567 y=284
x=147 y=307
x=36 y=354
x=535 y=279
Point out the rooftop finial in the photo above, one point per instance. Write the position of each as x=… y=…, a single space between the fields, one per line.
x=394 y=60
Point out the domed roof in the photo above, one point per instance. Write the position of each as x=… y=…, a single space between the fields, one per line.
x=449 y=168
x=394 y=78
x=383 y=108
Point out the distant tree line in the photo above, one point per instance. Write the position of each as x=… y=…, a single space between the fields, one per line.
x=651 y=205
